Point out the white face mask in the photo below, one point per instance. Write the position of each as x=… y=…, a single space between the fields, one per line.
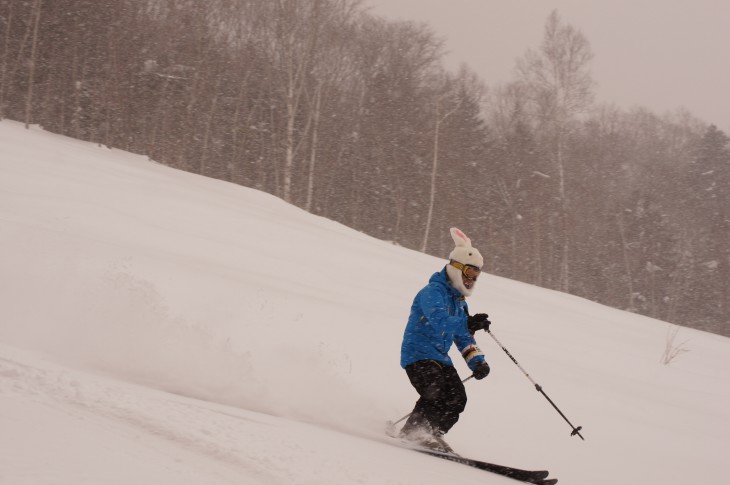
x=457 y=281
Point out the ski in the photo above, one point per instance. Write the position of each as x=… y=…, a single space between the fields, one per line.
x=538 y=477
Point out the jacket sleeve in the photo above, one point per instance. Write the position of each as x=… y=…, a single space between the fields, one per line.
x=472 y=355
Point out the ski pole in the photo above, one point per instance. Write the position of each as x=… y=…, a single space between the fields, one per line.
x=576 y=431
x=392 y=424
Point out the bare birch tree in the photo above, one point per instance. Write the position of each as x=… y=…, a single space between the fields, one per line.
x=293 y=39
x=441 y=113
x=33 y=56
x=560 y=86
x=7 y=22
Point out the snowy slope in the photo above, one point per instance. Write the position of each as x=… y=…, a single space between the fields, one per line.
x=159 y=327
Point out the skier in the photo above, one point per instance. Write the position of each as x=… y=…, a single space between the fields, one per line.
x=439 y=316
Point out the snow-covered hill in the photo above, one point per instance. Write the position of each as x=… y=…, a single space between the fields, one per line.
x=158 y=327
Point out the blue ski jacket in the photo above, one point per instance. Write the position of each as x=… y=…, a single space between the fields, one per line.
x=438 y=318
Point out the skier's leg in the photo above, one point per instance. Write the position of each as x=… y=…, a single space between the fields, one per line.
x=427 y=378
x=453 y=401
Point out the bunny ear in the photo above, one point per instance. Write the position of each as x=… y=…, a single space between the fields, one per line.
x=460 y=238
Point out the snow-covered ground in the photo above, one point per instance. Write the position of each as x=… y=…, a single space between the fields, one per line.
x=158 y=327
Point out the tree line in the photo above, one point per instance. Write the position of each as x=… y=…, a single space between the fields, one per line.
x=355 y=118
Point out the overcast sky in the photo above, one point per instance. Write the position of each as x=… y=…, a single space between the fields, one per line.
x=660 y=54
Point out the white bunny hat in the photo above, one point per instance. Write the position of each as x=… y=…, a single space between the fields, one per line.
x=464 y=253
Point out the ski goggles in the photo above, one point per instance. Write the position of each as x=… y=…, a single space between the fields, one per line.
x=469 y=271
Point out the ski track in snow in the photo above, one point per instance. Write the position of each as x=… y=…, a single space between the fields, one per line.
x=163 y=434
x=146 y=416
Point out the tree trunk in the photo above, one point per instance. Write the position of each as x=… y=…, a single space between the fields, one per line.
x=4 y=78
x=313 y=148
x=434 y=172
x=33 y=55
x=627 y=264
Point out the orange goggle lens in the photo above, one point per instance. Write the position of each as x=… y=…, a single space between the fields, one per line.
x=471 y=272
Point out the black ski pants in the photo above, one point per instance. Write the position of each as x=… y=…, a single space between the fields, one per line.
x=442 y=396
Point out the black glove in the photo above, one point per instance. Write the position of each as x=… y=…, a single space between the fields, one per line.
x=480 y=321
x=481 y=371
